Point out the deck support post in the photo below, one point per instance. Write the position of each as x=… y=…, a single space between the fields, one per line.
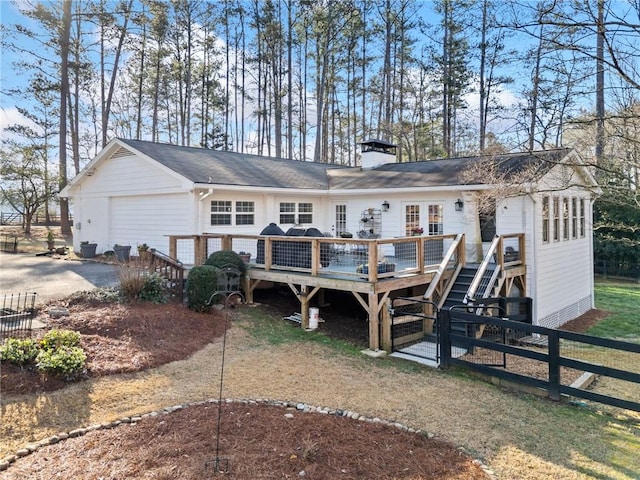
x=374 y=323
x=304 y=295
x=386 y=326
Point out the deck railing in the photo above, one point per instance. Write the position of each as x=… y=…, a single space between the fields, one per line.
x=369 y=259
x=441 y=284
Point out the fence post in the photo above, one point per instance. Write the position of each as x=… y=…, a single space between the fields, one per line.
x=554 y=364
x=444 y=324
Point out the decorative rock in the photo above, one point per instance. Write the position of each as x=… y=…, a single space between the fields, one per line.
x=4 y=465
x=23 y=452
x=58 y=312
x=288 y=415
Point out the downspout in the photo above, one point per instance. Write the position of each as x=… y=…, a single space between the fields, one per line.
x=199 y=210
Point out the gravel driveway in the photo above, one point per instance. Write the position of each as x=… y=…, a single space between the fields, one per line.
x=52 y=277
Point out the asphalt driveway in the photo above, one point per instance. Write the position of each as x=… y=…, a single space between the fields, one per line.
x=50 y=277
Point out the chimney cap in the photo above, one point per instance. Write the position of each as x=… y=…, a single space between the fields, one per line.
x=377 y=144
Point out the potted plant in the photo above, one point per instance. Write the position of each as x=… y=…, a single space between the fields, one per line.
x=88 y=249
x=143 y=252
x=50 y=240
x=122 y=252
x=416 y=231
x=245 y=256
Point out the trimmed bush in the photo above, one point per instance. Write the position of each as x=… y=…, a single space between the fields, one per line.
x=57 y=339
x=65 y=361
x=20 y=352
x=222 y=258
x=153 y=289
x=201 y=284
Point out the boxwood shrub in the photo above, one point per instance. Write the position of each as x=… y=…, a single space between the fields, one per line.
x=222 y=258
x=201 y=284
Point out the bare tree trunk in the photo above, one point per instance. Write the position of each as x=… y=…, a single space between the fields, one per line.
x=65 y=32
x=534 y=93
x=600 y=112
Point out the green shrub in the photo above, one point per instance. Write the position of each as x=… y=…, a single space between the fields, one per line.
x=57 y=339
x=64 y=361
x=138 y=284
x=153 y=289
x=20 y=352
x=201 y=284
x=96 y=296
x=222 y=258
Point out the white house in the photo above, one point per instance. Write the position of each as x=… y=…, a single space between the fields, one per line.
x=137 y=192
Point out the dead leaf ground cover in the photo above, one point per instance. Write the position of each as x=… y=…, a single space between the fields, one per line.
x=518 y=436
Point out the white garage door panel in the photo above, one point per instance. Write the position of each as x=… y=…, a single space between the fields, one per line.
x=148 y=219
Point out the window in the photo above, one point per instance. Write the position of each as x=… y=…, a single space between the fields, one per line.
x=436 y=227
x=341 y=219
x=220 y=212
x=565 y=219
x=411 y=219
x=574 y=217
x=305 y=213
x=545 y=219
x=288 y=212
x=245 y=213
x=556 y=219
x=582 y=218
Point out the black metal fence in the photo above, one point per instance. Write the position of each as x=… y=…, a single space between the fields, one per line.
x=16 y=315
x=616 y=269
x=555 y=361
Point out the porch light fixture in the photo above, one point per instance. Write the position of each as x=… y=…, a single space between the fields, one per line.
x=385 y=206
x=459 y=204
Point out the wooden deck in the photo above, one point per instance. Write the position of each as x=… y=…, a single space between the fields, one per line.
x=310 y=264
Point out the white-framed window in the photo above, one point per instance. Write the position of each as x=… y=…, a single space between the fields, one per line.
x=545 y=219
x=228 y=212
x=341 y=219
x=556 y=219
x=565 y=218
x=574 y=217
x=245 y=213
x=582 y=219
x=411 y=219
x=221 y=212
x=296 y=213
x=435 y=222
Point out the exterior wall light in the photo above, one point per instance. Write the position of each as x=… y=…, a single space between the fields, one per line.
x=459 y=205
x=385 y=206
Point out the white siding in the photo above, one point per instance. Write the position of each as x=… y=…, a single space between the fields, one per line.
x=564 y=268
x=130 y=175
x=149 y=219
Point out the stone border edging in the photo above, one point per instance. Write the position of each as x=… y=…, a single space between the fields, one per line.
x=6 y=462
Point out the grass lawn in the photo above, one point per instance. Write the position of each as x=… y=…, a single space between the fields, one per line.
x=623 y=300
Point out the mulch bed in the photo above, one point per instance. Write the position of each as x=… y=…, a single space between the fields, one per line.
x=121 y=338
x=256 y=442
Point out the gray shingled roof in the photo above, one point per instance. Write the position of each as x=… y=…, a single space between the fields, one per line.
x=436 y=173
x=230 y=168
